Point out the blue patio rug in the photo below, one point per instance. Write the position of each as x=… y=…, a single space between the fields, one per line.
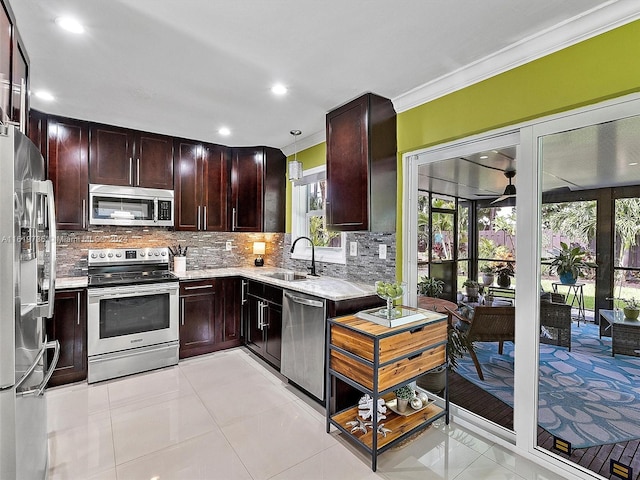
x=586 y=396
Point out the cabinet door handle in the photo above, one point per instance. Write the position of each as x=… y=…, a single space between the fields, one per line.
x=264 y=325
x=182 y=313
x=138 y=171
x=233 y=219
x=413 y=357
x=197 y=287
x=416 y=330
x=130 y=171
x=84 y=213
x=198 y=227
x=204 y=217
x=260 y=315
x=243 y=300
x=78 y=306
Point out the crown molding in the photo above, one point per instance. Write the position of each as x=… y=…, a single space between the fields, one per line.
x=601 y=19
x=591 y=23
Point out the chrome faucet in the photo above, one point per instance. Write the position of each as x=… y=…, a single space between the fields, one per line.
x=313 y=255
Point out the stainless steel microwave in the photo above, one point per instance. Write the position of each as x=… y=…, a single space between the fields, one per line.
x=130 y=206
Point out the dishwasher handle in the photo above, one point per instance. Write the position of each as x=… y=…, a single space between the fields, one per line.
x=304 y=301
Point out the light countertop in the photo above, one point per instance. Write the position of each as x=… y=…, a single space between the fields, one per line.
x=325 y=287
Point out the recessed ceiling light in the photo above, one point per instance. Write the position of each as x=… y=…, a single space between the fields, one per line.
x=70 y=24
x=633 y=164
x=224 y=131
x=279 y=89
x=483 y=157
x=44 y=95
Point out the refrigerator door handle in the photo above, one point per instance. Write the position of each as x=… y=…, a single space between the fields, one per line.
x=39 y=390
x=54 y=362
x=32 y=367
x=45 y=187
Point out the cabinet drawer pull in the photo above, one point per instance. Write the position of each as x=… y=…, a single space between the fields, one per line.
x=413 y=357
x=182 y=313
x=198 y=287
x=416 y=330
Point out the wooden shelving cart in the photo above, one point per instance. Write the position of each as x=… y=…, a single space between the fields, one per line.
x=375 y=359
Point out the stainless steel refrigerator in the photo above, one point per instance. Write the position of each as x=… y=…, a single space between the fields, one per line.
x=27 y=289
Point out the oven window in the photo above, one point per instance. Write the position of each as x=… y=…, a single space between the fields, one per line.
x=129 y=315
x=110 y=208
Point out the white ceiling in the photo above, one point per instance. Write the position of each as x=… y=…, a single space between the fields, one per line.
x=188 y=67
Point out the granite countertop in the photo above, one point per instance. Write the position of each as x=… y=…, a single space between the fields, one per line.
x=325 y=287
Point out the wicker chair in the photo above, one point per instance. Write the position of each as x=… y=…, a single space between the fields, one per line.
x=489 y=324
x=555 y=318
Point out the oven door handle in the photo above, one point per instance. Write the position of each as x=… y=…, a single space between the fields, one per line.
x=130 y=291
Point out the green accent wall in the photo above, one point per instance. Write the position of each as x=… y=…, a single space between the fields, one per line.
x=311 y=157
x=597 y=69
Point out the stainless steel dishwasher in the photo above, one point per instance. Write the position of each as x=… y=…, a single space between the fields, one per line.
x=303 y=338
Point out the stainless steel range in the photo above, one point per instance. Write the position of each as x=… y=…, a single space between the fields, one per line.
x=132 y=314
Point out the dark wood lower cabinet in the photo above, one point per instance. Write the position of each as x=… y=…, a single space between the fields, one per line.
x=263 y=320
x=69 y=326
x=209 y=316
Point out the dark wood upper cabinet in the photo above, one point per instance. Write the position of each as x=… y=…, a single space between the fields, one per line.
x=38 y=131
x=6 y=40
x=361 y=165
x=119 y=156
x=257 y=189
x=14 y=71
x=19 y=84
x=201 y=186
x=67 y=167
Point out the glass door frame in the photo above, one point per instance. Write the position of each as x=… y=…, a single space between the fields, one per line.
x=528 y=237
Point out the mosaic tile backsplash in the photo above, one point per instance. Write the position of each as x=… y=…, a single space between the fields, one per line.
x=208 y=250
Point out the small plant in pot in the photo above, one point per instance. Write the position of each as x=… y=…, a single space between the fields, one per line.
x=403 y=395
x=631 y=309
x=505 y=271
x=430 y=287
x=472 y=287
x=487 y=274
x=568 y=263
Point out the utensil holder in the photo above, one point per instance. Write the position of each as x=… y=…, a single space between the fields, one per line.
x=179 y=264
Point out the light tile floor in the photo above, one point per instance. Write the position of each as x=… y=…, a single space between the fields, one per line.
x=228 y=416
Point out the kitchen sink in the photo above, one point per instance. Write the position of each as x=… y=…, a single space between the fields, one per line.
x=287 y=276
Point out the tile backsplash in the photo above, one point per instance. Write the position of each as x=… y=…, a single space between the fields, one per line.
x=208 y=250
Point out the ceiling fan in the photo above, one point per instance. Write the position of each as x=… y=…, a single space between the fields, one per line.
x=510 y=189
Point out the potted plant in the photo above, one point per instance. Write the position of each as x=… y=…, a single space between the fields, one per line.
x=631 y=309
x=403 y=395
x=430 y=287
x=472 y=287
x=487 y=274
x=457 y=345
x=568 y=263
x=505 y=271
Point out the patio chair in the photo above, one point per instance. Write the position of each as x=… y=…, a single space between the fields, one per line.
x=489 y=324
x=555 y=318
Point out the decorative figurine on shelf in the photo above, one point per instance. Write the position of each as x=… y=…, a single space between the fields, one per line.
x=365 y=408
x=358 y=425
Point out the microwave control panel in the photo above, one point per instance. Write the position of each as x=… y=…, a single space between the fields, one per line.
x=164 y=210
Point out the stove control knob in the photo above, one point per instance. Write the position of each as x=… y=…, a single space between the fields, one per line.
x=164 y=254
x=142 y=254
x=110 y=255
x=94 y=255
x=157 y=254
x=102 y=255
x=118 y=255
